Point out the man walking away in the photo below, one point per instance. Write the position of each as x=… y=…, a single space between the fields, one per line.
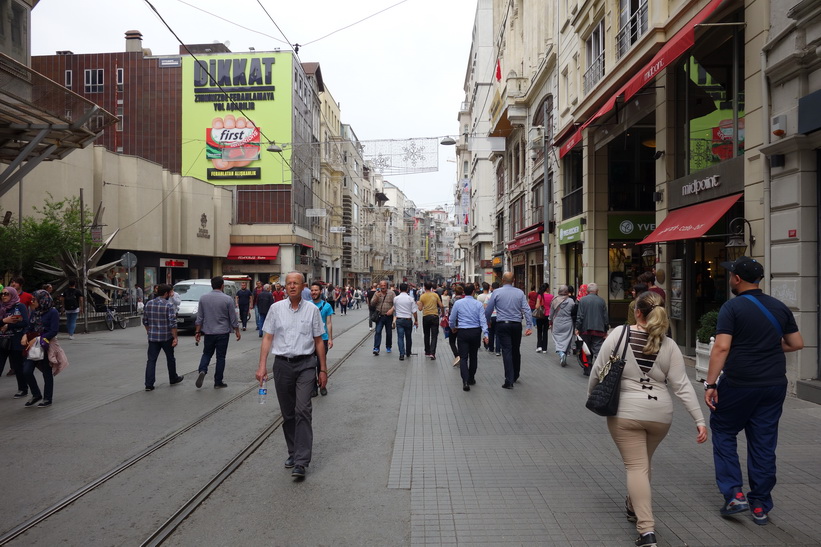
x=160 y=322
x=405 y=320
x=382 y=302
x=325 y=312
x=753 y=332
x=510 y=304
x=245 y=301
x=295 y=355
x=262 y=303
x=469 y=314
x=592 y=322
x=216 y=317
x=431 y=306
x=72 y=300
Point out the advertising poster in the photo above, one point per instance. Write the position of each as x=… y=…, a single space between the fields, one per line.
x=232 y=106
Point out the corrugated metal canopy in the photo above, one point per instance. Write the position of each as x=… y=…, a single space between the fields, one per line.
x=41 y=120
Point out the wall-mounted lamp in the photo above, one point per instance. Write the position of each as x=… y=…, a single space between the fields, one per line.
x=658 y=196
x=736 y=244
x=658 y=155
x=648 y=257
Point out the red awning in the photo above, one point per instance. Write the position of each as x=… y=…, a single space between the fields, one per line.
x=691 y=222
x=672 y=50
x=253 y=252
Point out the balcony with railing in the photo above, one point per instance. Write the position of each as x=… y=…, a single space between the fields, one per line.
x=594 y=73
x=572 y=204
x=633 y=29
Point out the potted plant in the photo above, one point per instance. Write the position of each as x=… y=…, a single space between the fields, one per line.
x=705 y=337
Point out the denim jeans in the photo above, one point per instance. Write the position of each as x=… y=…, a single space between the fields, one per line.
x=260 y=319
x=218 y=343
x=48 y=379
x=385 y=322
x=756 y=411
x=151 y=365
x=243 y=316
x=71 y=322
x=404 y=332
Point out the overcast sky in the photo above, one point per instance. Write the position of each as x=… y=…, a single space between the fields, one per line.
x=398 y=74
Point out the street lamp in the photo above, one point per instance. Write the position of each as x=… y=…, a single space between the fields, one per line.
x=648 y=257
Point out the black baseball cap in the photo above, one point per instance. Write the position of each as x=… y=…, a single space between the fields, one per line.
x=746 y=268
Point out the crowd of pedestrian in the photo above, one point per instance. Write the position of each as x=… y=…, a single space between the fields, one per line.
x=745 y=387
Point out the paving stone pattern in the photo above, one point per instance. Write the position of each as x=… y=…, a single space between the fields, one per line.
x=532 y=466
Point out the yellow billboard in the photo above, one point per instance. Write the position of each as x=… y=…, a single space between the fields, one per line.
x=232 y=106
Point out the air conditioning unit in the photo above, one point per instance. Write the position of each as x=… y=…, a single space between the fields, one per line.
x=535 y=137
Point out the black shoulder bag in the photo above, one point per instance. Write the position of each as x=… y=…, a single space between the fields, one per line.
x=604 y=399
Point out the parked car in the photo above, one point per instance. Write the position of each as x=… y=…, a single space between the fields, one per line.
x=190 y=292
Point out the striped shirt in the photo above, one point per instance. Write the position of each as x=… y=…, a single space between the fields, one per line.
x=638 y=339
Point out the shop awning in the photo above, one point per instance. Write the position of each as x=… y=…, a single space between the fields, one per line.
x=253 y=252
x=691 y=222
x=683 y=40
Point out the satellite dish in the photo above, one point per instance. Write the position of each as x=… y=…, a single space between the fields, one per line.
x=227 y=43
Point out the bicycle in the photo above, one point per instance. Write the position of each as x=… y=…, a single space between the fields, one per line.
x=112 y=317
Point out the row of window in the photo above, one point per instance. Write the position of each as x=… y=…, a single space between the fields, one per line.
x=93 y=79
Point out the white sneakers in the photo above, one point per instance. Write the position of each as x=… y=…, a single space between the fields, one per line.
x=539 y=350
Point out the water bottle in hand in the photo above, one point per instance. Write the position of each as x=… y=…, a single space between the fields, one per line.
x=263 y=391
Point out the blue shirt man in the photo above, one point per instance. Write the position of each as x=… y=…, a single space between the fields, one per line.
x=753 y=332
x=511 y=306
x=468 y=318
x=325 y=311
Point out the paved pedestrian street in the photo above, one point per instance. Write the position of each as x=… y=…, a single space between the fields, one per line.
x=402 y=456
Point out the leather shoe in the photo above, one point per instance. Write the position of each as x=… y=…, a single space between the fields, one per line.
x=178 y=380
x=200 y=378
x=32 y=401
x=221 y=384
x=465 y=387
x=471 y=382
x=289 y=463
x=149 y=388
x=506 y=385
x=298 y=472
x=401 y=357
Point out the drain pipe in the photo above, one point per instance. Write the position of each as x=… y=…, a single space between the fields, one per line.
x=765 y=167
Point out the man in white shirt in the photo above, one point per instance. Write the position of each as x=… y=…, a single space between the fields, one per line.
x=405 y=320
x=293 y=332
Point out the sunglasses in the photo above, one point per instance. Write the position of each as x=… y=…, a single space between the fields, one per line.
x=5 y=294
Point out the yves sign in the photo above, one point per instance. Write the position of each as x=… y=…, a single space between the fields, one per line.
x=628 y=227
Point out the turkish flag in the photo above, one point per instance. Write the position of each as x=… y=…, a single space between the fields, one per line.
x=498 y=70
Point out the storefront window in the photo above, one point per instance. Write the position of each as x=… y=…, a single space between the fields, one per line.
x=711 y=82
x=624 y=267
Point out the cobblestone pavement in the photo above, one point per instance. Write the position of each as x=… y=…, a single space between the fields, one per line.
x=532 y=466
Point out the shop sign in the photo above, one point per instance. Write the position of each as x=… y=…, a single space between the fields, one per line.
x=723 y=179
x=700 y=185
x=497 y=261
x=630 y=227
x=173 y=262
x=523 y=241
x=518 y=259
x=486 y=263
x=570 y=231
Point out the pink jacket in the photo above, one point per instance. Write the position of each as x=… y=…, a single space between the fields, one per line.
x=57 y=357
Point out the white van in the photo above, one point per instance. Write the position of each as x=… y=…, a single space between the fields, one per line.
x=190 y=292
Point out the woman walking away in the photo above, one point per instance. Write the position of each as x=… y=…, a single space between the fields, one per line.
x=15 y=322
x=45 y=323
x=561 y=321
x=653 y=364
x=543 y=301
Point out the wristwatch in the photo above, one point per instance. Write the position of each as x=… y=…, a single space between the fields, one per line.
x=709 y=386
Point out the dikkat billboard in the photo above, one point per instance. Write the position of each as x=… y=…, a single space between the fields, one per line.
x=232 y=106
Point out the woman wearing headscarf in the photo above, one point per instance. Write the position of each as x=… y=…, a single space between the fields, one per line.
x=45 y=323
x=15 y=322
x=561 y=322
x=653 y=368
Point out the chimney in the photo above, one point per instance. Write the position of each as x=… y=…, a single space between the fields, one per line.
x=133 y=41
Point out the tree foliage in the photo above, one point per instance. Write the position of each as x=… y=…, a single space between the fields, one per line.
x=53 y=227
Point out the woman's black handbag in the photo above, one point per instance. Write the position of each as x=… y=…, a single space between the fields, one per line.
x=604 y=399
